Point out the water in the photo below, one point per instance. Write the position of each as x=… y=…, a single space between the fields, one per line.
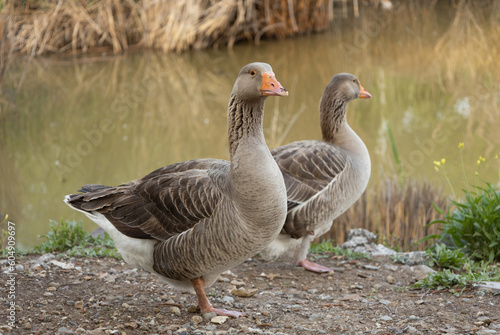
x=108 y=120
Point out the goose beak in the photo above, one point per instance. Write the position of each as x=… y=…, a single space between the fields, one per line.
x=270 y=86
x=364 y=94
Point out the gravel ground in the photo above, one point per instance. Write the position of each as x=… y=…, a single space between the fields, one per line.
x=105 y=296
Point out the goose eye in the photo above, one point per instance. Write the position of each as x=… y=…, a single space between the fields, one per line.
x=354 y=80
x=252 y=73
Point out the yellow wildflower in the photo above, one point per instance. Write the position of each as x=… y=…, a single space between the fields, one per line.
x=437 y=163
x=460 y=145
x=436 y=168
x=477 y=173
x=443 y=161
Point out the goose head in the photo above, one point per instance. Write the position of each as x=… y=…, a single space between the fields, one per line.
x=257 y=80
x=346 y=87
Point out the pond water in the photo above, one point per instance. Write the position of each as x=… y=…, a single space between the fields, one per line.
x=433 y=74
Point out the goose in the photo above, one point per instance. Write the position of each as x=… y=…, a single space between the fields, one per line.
x=323 y=178
x=190 y=221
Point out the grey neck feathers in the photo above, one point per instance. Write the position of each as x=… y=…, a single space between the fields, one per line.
x=244 y=119
x=332 y=117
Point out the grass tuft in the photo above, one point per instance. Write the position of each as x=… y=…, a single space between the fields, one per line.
x=473 y=226
x=70 y=237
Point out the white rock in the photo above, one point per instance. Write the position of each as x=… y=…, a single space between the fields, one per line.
x=219 y=319
x=63 y=265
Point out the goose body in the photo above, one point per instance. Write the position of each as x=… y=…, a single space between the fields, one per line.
x=323 y=178
x=190 y=221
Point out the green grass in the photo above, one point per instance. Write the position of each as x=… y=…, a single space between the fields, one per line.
x=473 y=226
x=70 y=238
x=473 y=273
x=326 y=247
x=444 y=258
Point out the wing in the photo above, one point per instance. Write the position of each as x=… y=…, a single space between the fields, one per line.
x=164 y=203
x=308 y=167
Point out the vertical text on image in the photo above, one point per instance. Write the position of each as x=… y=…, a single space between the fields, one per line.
x=11 y=275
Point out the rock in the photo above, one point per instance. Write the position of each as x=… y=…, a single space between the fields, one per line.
x=27 y=325
x=382 y=250
x=316 y=317
x=237 y=282
x=5 y=328
x=219 y=319
x=175 y=310
x=196 y=319
x=131 y=325
x=45 y=258
x=492 y=285
x=420 y=272
x=483 y=321
x=19 y=268
x=411 y=329
x=240 y=292
x=63 y=265
x=79 y=304
x=390 y=279
x=64 y=330
x=384 y=302
x=192 y=309
x=209 y=316
x=363 y=241
x=390 y=267
x=371 y=267
x=228 y=300
x=385 y=318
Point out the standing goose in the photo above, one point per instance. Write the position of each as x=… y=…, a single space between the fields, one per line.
x=323 y=178
x=188 y=222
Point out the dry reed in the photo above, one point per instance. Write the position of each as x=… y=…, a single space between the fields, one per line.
x=397 y=213
x=59 y=26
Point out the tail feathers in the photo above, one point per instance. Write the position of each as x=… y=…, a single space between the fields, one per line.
x=92 y=188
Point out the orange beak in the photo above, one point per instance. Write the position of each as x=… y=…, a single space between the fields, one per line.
x=270 y=86
x=364 y=94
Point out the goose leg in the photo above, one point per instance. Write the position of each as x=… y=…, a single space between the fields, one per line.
x=205 y=306
x=313 y=267
x=301 y=254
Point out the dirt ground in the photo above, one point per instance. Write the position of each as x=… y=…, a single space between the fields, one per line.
x=106 y=296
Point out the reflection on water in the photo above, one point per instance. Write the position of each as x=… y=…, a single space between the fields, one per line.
x=115 y=119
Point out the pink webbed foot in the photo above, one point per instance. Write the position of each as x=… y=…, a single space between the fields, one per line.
x=313 y=267
x=205 y=306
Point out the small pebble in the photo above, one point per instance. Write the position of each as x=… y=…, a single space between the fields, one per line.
x=196 y=319
x=175 y=310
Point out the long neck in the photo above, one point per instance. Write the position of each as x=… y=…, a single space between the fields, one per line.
x=335 y=129
x=332 y=113
x=245 y=119
x=256 y=182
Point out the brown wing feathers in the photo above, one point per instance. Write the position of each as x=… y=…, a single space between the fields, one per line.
x=308 y=167
x=166 y=202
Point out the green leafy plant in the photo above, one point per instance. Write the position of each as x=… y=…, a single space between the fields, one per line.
x=473 y=273
x=473 y=225
x=445 y=258
x=71 y=238
x=326 y=247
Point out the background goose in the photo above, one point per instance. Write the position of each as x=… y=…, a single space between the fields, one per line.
x=323 y=178
x=190 y=221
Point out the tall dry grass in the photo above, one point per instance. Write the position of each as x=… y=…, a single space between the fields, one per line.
x=57 y=26
x=398 y=213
